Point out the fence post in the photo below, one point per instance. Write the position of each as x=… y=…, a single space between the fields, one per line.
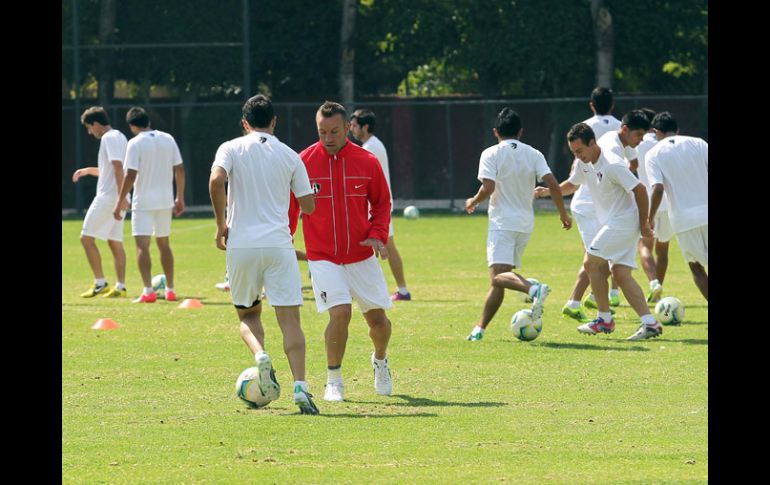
x=450 y=160
x=76 y=75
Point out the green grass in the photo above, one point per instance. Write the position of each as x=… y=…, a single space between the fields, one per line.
x=153 y=401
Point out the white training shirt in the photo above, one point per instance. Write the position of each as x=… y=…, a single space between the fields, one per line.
x=581 y=200
x=648 y=142
x=375 y=146
x=515 y=168
x=611 y=183
x=610 y=141
x=112 y=147
x=261 y=170
x=681 y=164
x=153 y=154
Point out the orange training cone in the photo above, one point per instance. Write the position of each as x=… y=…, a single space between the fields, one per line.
x=105 y=324
x=190 y=303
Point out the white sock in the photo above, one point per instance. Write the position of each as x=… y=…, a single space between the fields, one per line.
x=573 y=304
x=648 y=320
x=120 y=285
x=259 y=354
x=403 y=290
x=654 y=283
x=334 y=375
x=168 y=288
x=606 y=316
x=477 y=330
x=101 y=281
x=147 y=290
x=614 y=292
x=302 y=385
x=380 y=362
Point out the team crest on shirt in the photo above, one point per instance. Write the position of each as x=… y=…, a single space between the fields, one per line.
x=323 y=296
x=316 y=187
x=262 y=139
x=599 y=175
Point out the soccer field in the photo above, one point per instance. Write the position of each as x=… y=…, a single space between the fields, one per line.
x=154 y=402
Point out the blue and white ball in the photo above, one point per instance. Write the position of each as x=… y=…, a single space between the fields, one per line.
x=247 y=389
x=524 y=328
x=411 y=212
x=159 y=282
x=669 y=311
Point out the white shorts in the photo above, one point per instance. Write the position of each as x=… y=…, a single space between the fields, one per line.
x=616 y=246
x=151 y=223
x=390 y=229
x=338 y=284
x=506 y=247
x=663 y=230
x=588 y=226
x=249 y=269
x=695 y=245
x=99 y=222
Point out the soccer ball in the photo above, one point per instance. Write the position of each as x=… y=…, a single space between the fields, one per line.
x=411 y=212
x=525 y=296
x=523 y=327
x=669 y=311
x=159 y=282
x=247 y=388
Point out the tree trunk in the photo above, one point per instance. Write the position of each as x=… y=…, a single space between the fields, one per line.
x=348 y=53
x=602 y=19
x=106 y=56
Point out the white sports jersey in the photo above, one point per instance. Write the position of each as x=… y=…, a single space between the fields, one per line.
x=648 y=142
x=600 y=124
x=375 y=146
x=153 y=154
x=610 y=182
x=112 y=147
x=681 y=164
x=261 y=170
x=610 y=141
x=515 y=168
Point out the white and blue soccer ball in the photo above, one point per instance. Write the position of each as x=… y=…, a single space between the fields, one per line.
x=524 y=327
x=159 y=282
x=669 y=311
x=247 y=389
x=411 y=212
x=525 y=296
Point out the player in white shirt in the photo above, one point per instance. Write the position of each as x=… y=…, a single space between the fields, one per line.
x=99 y=223
x=153 y=163
x=620 y=201
x=260 y=172
x=362 y=124
x=679 y=167
x=508 y=173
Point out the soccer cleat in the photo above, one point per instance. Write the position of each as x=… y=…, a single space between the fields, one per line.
x=647 y=331
x=399 y=297
x=473 y=337
x=304 y=400
x=596 y=326
x=541 y=294
x=335 y=391
x=614 y=300
x=170 y=296
x=576 y=313
x=590 y=302
x=267 y=381
x=655 y=293
x=223 y=286
x=95 y=290
x=150 y=298
x=383 y=384
x=116 y=293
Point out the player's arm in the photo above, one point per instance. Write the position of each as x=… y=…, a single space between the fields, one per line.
x=566 y=188
x=93 y=171
x=485 y=191
x=555 y=189
x=117 y=167
x=307 y=204
x=180 y=180
x=642 y=202
x=657 y=197
x=122 y=203
x=633 y=165
x=218 y=202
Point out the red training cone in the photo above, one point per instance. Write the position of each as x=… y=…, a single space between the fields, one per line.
x=190 y=303
x=105 y=324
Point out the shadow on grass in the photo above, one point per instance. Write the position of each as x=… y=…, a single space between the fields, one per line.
x=688 y=341
x=571 y=346
x=425 y=402
x=368 y=415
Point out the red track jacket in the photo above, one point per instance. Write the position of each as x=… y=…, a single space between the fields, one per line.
x=344 y=185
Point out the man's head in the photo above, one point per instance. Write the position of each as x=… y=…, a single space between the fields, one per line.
x=362 y=123
x=331 y=121
x=507 y=124
x=602 y=101
x=96 y=121
x=649 y=113
x=258 y=112
x=633 y=126
x=137 y=119
x=582 y=143
x=664 y=125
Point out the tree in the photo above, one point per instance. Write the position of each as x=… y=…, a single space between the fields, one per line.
x=602 y=23
x=347 y=51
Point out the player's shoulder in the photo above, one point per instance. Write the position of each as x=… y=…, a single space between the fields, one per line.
x=115 y=134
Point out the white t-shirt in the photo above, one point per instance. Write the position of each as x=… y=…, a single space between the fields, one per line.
x=261 y=170
x=681 y=164
x=600 y=124
x=610 y=141
x=648 y=142
x=112 y=147
x=611 y=183
x=515 y=168
x=153 y=154
x=375 y=146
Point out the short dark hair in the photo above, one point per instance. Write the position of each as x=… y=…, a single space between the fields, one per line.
x=330 y=108
x=664 y=122
x=508 y=122
x=602 y=99
x=95 y=114
x=365 y=117
x=581 y=131
x=137 y=116
x=258 y=111
x=635 y=120
x=649 y=113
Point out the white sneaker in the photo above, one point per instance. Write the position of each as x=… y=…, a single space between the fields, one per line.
x=267 y=382
x=647 y=331
x=335 y=391
x=655 y=293
x=541 y=294
x=383 y=384
x=224 y=286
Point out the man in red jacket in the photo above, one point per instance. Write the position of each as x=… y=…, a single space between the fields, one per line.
x=343 y=239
